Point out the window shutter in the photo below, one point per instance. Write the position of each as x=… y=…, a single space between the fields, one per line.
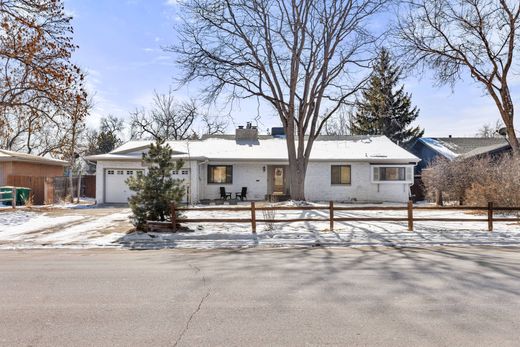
x=376 y=173
x=409 y=174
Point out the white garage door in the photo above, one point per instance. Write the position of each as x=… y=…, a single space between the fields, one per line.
x=183 y=175
x=116 y=189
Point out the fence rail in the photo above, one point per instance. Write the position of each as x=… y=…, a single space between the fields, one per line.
x=11 y=199
x=409 y=218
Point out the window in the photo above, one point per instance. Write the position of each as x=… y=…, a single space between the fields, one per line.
x=220 y=174
x=392 y=174
x=120 y=172
x=110 y=172
x=184 y=172
x=175 y=172
x=129 y=172
x=340 y=174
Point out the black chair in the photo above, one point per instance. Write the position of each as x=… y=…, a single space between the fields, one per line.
x=223 y=194
x=242 y=195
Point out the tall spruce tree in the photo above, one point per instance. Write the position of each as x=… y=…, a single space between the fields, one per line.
x=155 y=191
x=383 y=111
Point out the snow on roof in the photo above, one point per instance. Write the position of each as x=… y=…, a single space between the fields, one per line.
x=6 y=155
x=440 y=147
x=464 y=147
x=366 y=148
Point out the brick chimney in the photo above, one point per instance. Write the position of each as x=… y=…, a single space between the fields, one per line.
x=249 y=133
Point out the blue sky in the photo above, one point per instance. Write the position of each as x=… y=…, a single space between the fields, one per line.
x=121 y=49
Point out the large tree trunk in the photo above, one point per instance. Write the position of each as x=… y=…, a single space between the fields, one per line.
x=297 y=167
x=507 y=111
x=297 y=172
x=511 y=135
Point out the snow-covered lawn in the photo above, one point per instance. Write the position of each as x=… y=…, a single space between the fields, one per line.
x=63 y=227
x=102 y=227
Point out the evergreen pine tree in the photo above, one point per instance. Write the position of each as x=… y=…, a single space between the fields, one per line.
x=155 y=191
x=383 y=111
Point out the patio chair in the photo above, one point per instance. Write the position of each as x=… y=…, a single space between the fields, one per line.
x=223 y=194
x=242 y=195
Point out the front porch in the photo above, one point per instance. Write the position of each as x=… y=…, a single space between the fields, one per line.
x=226 y=183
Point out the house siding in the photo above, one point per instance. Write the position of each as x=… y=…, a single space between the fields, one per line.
x=426 y=154
x=318 y=185
x=252 y=175
x=28 y=169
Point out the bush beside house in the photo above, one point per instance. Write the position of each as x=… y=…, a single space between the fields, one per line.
x=474 y=181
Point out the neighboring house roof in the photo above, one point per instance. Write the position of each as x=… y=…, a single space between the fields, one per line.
x=464 y=147
x=224 y=147
x=6 y=155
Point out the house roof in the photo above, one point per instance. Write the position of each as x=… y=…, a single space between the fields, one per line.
x=464 y=147
x=6 y=155
x=226 y=148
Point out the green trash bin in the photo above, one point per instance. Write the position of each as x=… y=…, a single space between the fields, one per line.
x=22 y=195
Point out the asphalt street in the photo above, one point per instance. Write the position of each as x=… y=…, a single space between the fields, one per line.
x=463 y=296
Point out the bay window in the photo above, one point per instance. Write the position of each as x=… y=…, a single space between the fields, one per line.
x=392 y=173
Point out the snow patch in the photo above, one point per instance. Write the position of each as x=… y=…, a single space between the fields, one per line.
x=440 y=147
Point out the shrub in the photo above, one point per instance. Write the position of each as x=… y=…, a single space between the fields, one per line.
x=475 y=181
x=155 y=191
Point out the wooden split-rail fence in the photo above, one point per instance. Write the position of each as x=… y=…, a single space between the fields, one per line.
x=332 y=218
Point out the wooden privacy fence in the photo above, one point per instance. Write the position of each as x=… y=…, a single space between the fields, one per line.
x=39 y=187
x=49 y=190
x=409 y=218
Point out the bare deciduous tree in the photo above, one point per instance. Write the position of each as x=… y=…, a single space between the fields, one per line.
x=475 y=36
x=167 y=120
x=339 y=123
x=488 y=130
x=302 y=57
x=213 y=125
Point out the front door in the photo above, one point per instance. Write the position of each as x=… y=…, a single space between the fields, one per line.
x=278 y=180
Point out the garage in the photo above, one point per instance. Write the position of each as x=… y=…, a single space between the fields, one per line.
x=116 y=189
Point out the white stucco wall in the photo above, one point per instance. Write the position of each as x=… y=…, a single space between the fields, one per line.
x=318 y=185
x=252 y=175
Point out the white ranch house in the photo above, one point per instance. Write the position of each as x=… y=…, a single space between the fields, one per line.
x=341 y=168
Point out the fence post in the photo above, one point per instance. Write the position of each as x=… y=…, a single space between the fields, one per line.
x=331 y=215
x=490 y=216
x=253 y=217
x=174 y=217
x=410 y=215
x=13 y=198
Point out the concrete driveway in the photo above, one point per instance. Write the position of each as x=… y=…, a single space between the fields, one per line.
x=345 y=297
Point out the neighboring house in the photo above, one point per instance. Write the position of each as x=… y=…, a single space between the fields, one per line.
x=428 y=148
x=22 y=164
x=341 y=168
